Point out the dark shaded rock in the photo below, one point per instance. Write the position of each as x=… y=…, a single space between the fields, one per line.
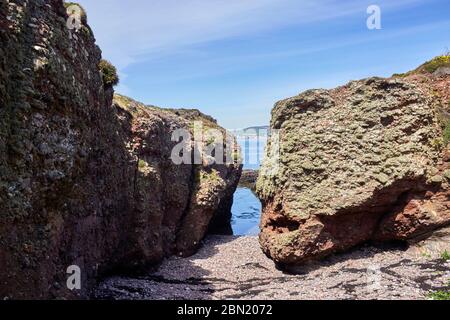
x=84 y=181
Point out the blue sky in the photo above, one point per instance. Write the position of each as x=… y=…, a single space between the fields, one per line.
x=233 y=59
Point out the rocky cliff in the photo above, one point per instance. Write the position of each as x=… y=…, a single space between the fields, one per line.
x=85 y=181
x=366 y=161
x=174 y=204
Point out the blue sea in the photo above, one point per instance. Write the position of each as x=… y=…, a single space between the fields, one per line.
x=246 y=210
x=246 y=213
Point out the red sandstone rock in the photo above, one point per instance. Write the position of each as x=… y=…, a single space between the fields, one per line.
x=83 y=181
x=362 y=162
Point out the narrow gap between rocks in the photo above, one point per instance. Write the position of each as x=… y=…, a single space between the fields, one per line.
x=247 y=208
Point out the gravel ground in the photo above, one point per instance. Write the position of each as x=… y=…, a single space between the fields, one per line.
x=235 y=268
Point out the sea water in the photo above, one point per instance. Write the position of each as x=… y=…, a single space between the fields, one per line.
x=246 y=210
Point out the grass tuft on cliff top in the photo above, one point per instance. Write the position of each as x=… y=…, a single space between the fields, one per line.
x=109 y=73
x=429 y=66
x=436 y=63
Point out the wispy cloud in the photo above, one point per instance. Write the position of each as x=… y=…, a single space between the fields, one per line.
x=240 y=56
x=213 y=65
x=130 y=31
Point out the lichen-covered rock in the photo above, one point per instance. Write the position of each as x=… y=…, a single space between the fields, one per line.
x=84 y=181
x=357 y=163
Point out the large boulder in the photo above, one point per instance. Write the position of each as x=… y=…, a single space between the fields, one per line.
x=362 y=162
x=85 y=181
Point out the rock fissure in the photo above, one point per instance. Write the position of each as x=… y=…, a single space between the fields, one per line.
x=193 y=186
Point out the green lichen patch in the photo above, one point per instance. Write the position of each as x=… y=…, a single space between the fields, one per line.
x=445 y=256
x=287 y=239
x=203 y=176
x=142 y=164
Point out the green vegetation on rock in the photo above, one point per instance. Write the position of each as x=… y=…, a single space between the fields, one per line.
x=109 y=73
x=429 y=66
x=445 y=256
x=447 y=134
x=123 y=101
x=440 y=295
x=204 y=176
x=436 y=63
x=142 y=164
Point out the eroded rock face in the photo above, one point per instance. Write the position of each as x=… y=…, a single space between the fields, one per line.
x=174 y=204
x=84 y=181
x=357 y=163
